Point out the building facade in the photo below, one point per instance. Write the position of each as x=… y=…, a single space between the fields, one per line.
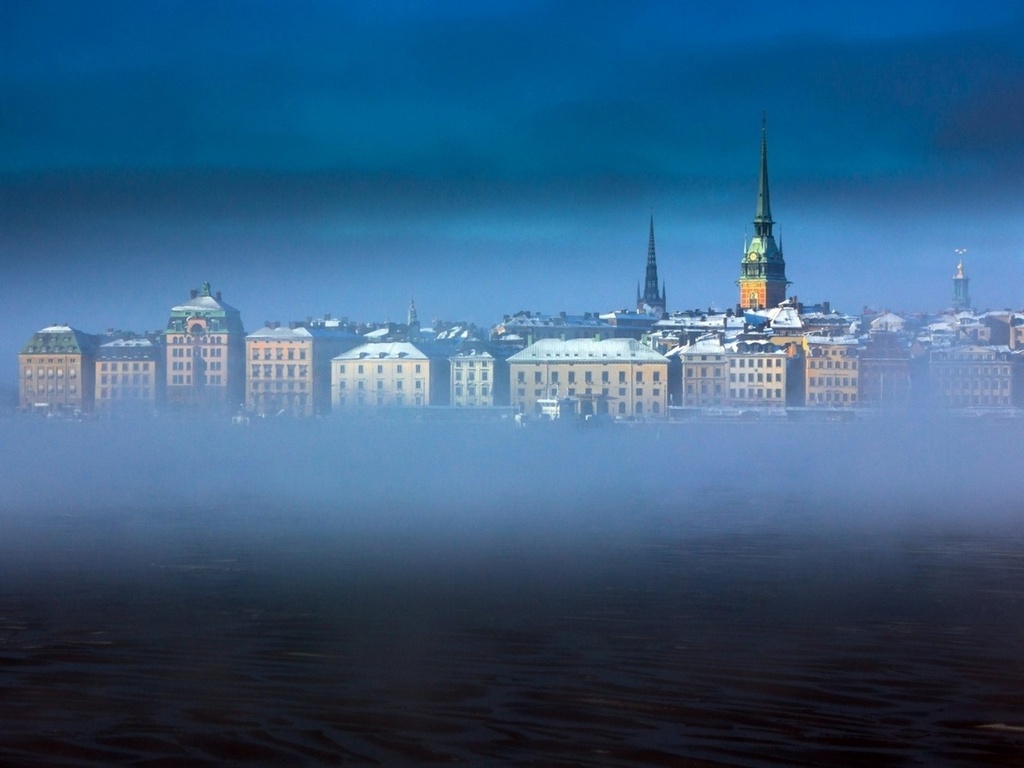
x=289 y=368
x=762 y=282
x=395 y=374
x=479 y=376
x=56 y=371
x=205 y=354
x=617 y=377
x=129 y=376
x=972 y=375
x=757 y=374
x=832 y=372
x=704 y=372
x=885 y=371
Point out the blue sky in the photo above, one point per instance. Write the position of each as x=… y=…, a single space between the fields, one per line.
x=485 y=157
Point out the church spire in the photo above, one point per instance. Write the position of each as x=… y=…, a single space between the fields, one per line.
x=762 y=280
x=763 y=214
x=652 y=300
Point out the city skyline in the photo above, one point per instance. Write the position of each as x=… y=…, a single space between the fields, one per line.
x=484 y=160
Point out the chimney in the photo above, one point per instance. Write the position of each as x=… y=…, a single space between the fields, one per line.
x=218 y=295
x=193 y=293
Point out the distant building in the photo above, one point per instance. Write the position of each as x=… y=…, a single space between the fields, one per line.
x=618 y=377
x=56 y=371
x=832 y=371
x=289 y=368
x=704 y=373
x=205 y=353
x=388 y=374
x=479 y=376
x=525 y=328
x=758 y=372
x=885 y=371
x=762 y=282
x=961 y=293
x=651 y=302
x=972 y=375
x=129 y=375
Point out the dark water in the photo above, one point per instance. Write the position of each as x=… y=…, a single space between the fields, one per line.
x=420 y=615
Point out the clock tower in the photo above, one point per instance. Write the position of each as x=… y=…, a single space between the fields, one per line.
x=762 y=280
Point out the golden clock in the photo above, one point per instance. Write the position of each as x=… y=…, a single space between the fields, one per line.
x=753 y=256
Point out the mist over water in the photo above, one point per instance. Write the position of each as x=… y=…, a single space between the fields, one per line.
x=388 y=592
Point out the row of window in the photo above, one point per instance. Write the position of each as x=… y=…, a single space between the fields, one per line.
x=360 y=400
x=277 y=385
x=50 y=389
x=115 y=393
x=192 y=339
x=538 y=377
x=755 y=394
x=1001 y=370
x=186 y=379
x=471 y=390
x=749 y=377
x=832 y=397
x=399 y=385
x=203 y=352
x=279 y=354
x=832 y=381
x=124 y=366
x=49 y=373
x=950 y=384
x=572 y=392
x=279 y=370
x=125 y=378
x=471 y=375
x=828 y=364
x=399 y=368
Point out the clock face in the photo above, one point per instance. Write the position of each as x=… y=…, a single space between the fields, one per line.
x=753 y=256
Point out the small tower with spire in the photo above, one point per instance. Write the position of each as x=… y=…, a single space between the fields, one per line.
x=961 y=296
x=762 y=282
x=651 y=302
x=413 y=321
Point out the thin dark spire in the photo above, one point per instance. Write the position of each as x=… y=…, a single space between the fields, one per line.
x=651 y=294
x=763 y=214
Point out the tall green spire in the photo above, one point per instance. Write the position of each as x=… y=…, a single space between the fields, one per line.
x=763 y=215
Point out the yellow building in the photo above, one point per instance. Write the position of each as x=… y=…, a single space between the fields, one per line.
x=129 y=376
x=619 y=377
x=972 y=375
x=478 y=379
x=56 y=371
x=289 y=368
x=831 y=372
x=395 y=374
x=205 y=353
x=757 y=374
x=704 y=370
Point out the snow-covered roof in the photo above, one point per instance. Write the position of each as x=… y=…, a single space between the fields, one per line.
x=141 y=343
x=702 y=346
x=587 y=349
x=281 y=333
x=384 y=350
x=832 y=340
x=785 y=318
